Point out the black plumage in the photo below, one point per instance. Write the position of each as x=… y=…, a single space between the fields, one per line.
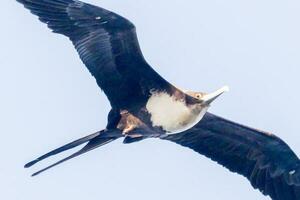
x=264 y=159
x=108 y=46
x=106 y=43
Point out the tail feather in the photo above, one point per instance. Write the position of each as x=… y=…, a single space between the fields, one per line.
x=93 y=144
x=63 y=148
x=93 y=141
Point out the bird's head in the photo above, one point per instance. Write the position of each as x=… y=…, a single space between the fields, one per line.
x=205 y=99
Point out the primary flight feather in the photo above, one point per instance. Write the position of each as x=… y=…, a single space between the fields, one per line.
x=144 y=105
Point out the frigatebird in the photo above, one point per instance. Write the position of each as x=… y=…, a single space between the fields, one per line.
x=145 y=105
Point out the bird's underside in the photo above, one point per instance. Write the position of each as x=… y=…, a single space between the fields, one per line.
x=145 y=105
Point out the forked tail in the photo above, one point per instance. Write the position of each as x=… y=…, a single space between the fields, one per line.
x=93 y=141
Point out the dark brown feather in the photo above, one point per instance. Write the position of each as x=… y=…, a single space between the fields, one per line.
x=268 y=163
x=107 y=44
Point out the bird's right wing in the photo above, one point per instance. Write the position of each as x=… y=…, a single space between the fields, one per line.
x=107 y=44
x=269 y=164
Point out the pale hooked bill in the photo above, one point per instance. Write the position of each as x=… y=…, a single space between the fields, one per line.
x=212 y=96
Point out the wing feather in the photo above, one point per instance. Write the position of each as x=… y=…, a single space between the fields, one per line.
x=264 y=159
x=107 y=44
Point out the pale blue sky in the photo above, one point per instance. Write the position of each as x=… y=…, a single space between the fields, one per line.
x=48 y=98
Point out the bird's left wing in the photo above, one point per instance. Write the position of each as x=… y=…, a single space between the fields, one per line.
x=107 y=44
x=269 y=164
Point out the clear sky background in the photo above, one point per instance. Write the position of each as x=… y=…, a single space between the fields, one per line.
x=48 y=97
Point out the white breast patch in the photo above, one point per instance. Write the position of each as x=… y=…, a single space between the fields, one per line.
x=172 y=115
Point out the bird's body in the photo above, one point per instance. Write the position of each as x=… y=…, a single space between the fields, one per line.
x=166 y=113
x=145 y=105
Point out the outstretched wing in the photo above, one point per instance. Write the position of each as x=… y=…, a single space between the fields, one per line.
x=269 y=164
x=107 y=44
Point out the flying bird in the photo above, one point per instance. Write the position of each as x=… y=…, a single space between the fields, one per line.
x=145 y=105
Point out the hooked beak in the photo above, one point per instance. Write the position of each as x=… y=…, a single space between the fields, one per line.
x=209 y=98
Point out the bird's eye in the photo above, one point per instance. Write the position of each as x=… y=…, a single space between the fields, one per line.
x=198 y=96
